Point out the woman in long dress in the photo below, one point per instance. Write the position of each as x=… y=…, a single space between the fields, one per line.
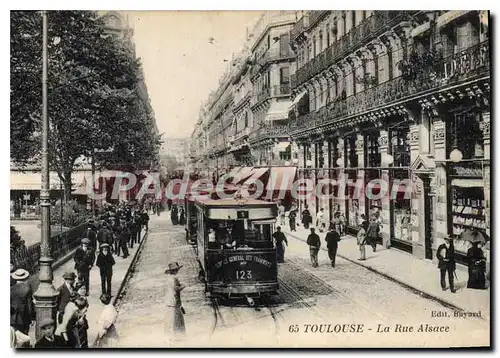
x=174 y=316
x=477 y=267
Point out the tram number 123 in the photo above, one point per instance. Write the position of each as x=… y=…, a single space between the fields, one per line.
x=243 y=275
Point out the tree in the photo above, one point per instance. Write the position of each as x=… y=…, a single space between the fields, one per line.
x=92 y=91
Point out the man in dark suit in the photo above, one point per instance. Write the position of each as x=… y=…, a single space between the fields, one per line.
x=22 y=309
x=49 y=340
x=84 y=260
x=314 y=245
x=446 y=256
x=65 y=291
x=332 y=243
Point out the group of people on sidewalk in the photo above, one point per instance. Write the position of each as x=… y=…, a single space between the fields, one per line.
x=177 y=215
x=117 y=229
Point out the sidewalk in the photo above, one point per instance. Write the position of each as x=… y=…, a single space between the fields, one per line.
x=120 y=270
x=416 y=274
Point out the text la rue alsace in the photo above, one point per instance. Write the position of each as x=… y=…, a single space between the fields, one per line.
x=361 y=328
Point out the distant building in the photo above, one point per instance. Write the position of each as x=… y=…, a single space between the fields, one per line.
x=177 y=148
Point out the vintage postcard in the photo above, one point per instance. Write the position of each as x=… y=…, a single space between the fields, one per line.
x=250 y=179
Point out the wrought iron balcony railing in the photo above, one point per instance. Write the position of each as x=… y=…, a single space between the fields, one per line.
x=368 y=29
x=420 y=73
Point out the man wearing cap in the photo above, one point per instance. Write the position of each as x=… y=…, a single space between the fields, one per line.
x=174 y=316
x=446 y=255
x=22 y=310
x=92 y=234
x=104 y=236
x=105 y=262
x=84 y=260
x=49 y=339
x=65 y=291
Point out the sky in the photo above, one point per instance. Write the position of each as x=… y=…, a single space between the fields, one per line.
x=181 y=65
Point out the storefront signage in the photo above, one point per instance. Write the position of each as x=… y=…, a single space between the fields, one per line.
x=241 y=259
x=470 y=170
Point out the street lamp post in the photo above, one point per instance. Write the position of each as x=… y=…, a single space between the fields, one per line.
x=46 y=295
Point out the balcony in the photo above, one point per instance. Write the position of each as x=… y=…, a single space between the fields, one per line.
x=269 y=131
x=425 y=73
x=271 y=55
x=370 y=28
x=300 y=26
x=274 y=91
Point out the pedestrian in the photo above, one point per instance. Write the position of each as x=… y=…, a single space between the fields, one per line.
x=65 y=291
x=132 y=231
x=158 y=208
x=174 y=215
x=84 y=260
x=116 y=236
x=281 y=213
x=320 y=220
x=49 y=339
x=281 y=240
x=123 y=238
x=292 y=217
x=145 y=220
x=361 y=241
x=22 y=310
x=314 y=245
x=182 y=216
x=332 y=243
x=174 y=316
x=306 y=218
x=372 y=233
x=138 y=223
x=105 y=262
x=446 y=256
x=75 y=325
x=107 y=335
x=91 y=234
x=104 y=235
x=18 y=339
x=477 y=267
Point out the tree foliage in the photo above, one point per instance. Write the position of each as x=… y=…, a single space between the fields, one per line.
x=94 y=102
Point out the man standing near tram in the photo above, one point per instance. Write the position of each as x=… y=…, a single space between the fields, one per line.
x=281 y=240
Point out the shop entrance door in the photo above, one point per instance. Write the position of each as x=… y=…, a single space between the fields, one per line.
x=427 y=219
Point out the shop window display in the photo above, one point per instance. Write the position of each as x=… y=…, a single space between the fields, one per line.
x=469 y=214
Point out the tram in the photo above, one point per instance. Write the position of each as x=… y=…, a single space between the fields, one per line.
x=234 y=246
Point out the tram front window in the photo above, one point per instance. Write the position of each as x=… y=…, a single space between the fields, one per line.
x=236 y=234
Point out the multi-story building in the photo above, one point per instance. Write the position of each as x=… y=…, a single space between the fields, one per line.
x=397 y=95
x=245 y=121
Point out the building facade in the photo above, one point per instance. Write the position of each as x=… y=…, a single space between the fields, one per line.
x=396 y=97
x=245 y=121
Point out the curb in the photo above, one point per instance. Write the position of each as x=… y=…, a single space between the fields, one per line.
x=125 y=279
x=414 y=289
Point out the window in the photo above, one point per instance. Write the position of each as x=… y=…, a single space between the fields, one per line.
x=284 y=44
x=466 y=134
x=373 y=157
x=401 y=147
x=284 y=75
x=314 y=47
x=327 y=35
x=320 y=42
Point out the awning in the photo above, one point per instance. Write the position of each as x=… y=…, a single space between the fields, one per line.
x=468 y=183
x=282 y=146
x=298 y=98
x=450 y=16
x=30 y=180
x=256 y=174
x=281 y=178
x=278 y=111
x=244 y=173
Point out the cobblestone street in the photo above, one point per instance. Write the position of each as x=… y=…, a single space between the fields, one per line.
x=340 y=297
